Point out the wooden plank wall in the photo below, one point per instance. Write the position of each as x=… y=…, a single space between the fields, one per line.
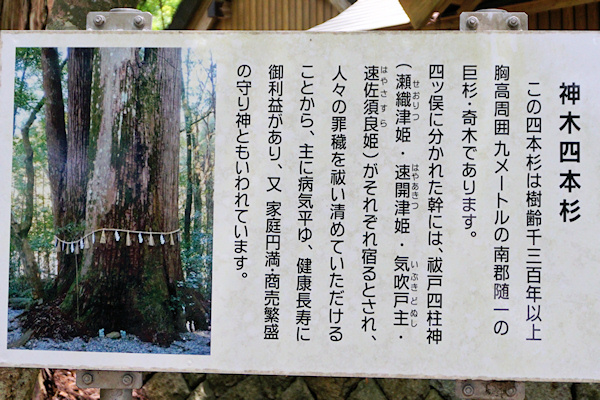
x=277 y=14
x=584 y=17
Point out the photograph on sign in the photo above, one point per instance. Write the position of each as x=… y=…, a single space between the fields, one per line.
x=112 y=207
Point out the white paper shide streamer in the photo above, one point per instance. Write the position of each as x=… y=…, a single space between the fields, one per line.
x=89 y=239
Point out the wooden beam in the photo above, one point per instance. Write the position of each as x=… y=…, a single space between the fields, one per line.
x=265 y=15
x=441 y=24
x=444 y=24
x=201 y=21
x=340 y=5
x=580 y=18
x=305 y=15
x=286 y=16
x=592 y=17
x=419 y=11
x=273 y=15
x=556 y=20
x=533 y=22
x=320 y=13
x=544 y=20
x=298 y=10
x=189 y=14
x=568 y=18
x=443 y=5
x=253 y=15
x=205 y=23
x=468 y=5
x=313 y=12
x=536 y=6
x=529 y=7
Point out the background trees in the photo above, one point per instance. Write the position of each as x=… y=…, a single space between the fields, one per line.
x=71 y=14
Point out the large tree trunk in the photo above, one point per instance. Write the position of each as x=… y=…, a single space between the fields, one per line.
x=53 y=14
x=71 y=14
x=133 y=187
x=56 y=141
x=33 y=15
x=76 y=166
x=56 y=135
x=23 y=14
x=80 y=89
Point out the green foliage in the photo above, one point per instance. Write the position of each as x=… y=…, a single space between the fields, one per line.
x=199 y=77
x=19 y=287
x=28 y=94
x=161 y=10
x=15 y=278
x=197 y=263
x=41 y=233
x=28 y=84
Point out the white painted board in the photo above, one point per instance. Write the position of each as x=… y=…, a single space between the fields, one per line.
x=442 y=187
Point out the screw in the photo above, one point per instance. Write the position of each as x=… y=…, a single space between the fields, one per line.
x=99 y=20
x=87 y=378
x=138 y=21
x=510 y=392
x=127 y=379
x=513 y=22
x=468 y=390
x=472 y=23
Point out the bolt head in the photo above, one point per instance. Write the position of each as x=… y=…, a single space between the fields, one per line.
x=127 y=379
x=510 y=392
x=472 y=22
x=468 y=390
x=99 y=20
x=513 y=22
x=138 y=21
x=87 y=378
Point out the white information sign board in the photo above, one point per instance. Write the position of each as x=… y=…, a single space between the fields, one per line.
x=371 y=204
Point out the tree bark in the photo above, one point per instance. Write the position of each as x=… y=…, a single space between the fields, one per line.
x=23 y=14
x=56 y=137
x=53 y=14
x=72 y=14
x=133 y=186
x=56 y=142
x=76 y=165
x=80 y=90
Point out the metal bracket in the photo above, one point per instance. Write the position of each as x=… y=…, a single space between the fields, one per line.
x=481 y=21
x=490 y=390
x=109 y=379
x=119 y=19
x=113 y=385
x=493 y=20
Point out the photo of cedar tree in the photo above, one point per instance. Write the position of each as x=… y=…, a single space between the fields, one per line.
x=112 y=209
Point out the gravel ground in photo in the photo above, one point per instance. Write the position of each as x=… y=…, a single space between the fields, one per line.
x=197 y=342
